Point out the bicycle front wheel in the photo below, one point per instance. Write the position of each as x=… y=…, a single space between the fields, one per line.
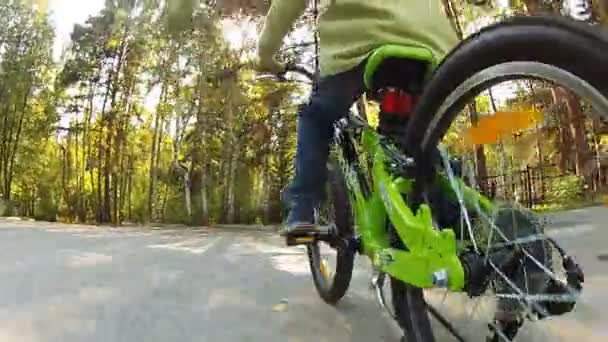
x=505 y=102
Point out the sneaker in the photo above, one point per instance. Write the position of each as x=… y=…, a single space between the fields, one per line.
x=301 y=219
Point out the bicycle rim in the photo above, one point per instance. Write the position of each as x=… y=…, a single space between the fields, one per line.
x=324 y=257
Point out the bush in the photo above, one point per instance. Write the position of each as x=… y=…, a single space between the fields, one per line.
x=8 y=208
x=563 y=192
x=565 y=189
x=175 y=210
x=46 y=208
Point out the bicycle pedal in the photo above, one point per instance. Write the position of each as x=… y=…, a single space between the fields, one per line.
x=304 y=235
x=301 y=240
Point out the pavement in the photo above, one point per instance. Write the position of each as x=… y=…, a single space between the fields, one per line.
x=83 y=283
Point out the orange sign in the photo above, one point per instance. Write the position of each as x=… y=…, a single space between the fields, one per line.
x=490 y=129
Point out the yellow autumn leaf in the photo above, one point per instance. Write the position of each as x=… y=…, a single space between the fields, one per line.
x=281 y=307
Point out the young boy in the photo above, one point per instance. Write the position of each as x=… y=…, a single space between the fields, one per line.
x=349 y=31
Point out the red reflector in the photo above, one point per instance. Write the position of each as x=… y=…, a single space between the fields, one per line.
x=397 y=103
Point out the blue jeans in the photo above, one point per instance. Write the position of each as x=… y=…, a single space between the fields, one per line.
x=332 y=99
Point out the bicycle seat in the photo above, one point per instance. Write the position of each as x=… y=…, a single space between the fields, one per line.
x=398 y=66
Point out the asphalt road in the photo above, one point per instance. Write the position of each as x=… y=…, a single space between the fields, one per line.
x=80 y=283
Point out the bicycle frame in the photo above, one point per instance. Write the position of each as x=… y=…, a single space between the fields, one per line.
x=429 y=251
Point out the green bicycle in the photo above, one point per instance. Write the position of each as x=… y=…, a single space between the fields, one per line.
x=396 y=196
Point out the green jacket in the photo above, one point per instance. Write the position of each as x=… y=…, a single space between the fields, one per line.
x=350 y=29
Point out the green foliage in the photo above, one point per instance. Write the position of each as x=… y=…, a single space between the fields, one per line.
x=565 y=189
x=46 y=207
x=26 y=94
x=175 y=210
x=151 y=105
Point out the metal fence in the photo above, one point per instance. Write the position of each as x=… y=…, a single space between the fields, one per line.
x=530 y=186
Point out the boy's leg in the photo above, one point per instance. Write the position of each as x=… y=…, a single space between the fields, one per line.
x=331 y=101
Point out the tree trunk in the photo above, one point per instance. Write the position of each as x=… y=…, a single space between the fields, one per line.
x=102 y=207
x=88 y=159
x=231 y=199
x=124 y=180
x=201 y=160
x=453 y=14
x=164 y=204
x=187 y=192
x=577 y=129
x=115 y=184
x=501 y=148
x=99 y=206
x=157 y=161
x=153 y=152
x=266 y=195
x=110 y=181
x=9 y=171
x=203 y=194
x=77 y=172
x=573 y=130
x=274 y=150
x=119 y=189
x=597 y=174
x=152 y=184
x=564 y=133
x=67 y=174
x=539 y=136
x=231 y=153
x=119 y=158
x=600 y=8
x=534 y=6
x=130 y=189
x=480 y=156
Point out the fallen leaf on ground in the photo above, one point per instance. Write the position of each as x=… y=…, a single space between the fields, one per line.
x=281 y=307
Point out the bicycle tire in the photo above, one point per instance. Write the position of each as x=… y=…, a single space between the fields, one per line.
x=552 y=41
x=570 y=46
x=332 y=292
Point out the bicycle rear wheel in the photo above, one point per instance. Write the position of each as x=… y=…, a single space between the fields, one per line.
x=552 y=53
x=331 y=262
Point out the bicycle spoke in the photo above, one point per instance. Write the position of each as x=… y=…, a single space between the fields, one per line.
x=518 y=241
x=511 y=242
x=558 y=298
x=528 y=302
x=459 y=195
x=506 y=145
x=514 y=287
x=536 y=261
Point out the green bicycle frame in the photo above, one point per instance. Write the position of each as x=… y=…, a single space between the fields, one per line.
x=427 y=249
